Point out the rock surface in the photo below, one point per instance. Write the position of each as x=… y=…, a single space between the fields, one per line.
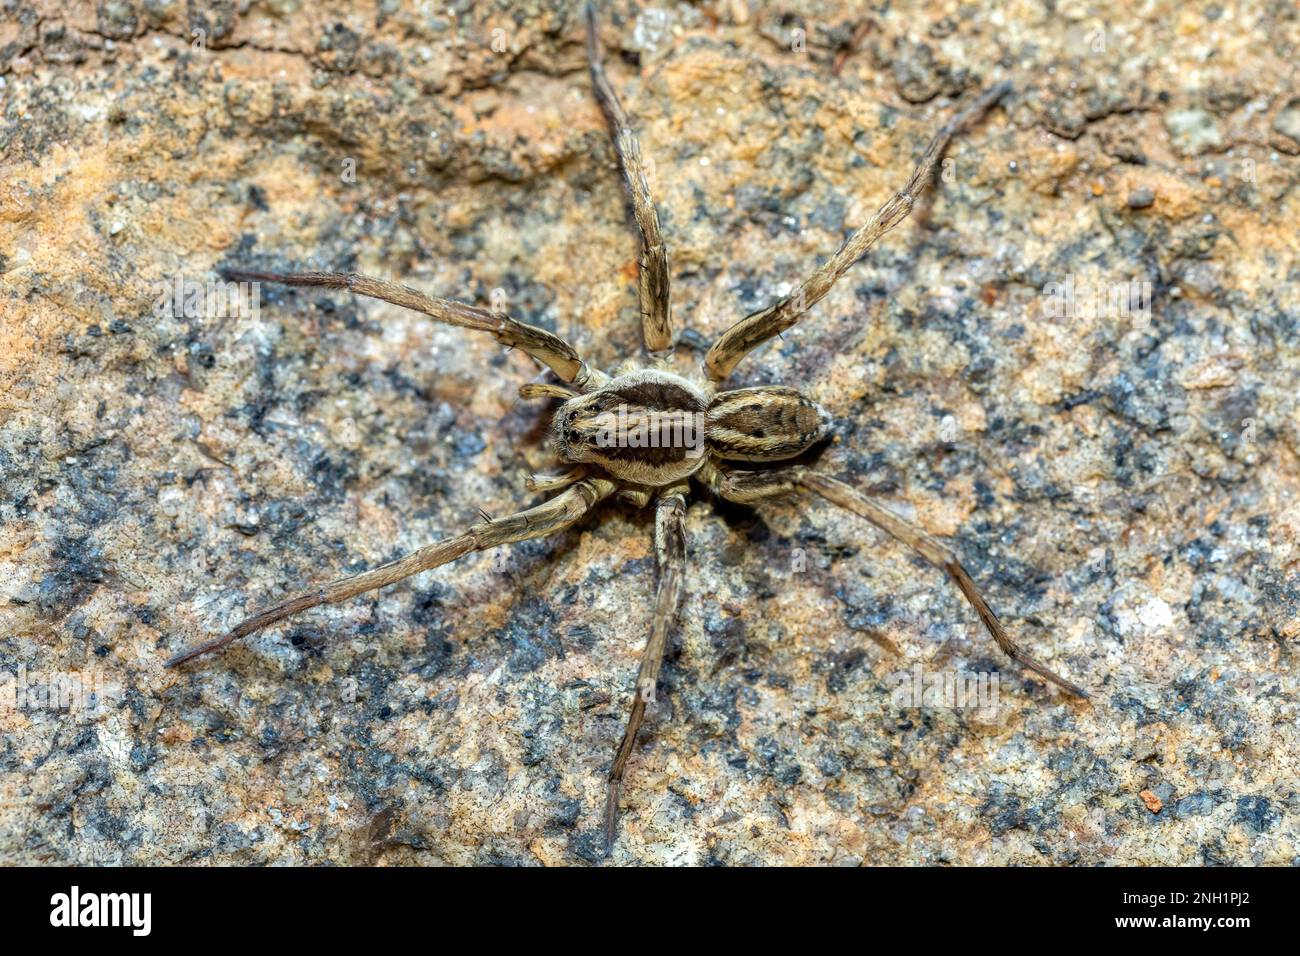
x=1122 y=482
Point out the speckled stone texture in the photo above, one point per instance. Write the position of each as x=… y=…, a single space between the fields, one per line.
x=1123 y=486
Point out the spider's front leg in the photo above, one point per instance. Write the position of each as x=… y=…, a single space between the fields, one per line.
x=546 y=347
x=755 y=329
x=670 y=554
x=550 y=516
x=652 y=282
x=747 y=487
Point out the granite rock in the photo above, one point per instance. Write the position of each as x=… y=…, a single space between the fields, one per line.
x=1095 y=399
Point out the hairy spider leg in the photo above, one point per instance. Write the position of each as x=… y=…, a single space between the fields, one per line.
x=755 y=329
x=652 y=280
x=554 y=515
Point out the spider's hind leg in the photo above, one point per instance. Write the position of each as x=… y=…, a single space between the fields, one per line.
x=670 y=553
x=550 y=516
x=939 y=555
x=749 y=486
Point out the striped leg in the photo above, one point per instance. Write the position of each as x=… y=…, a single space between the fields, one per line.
x=670 y=551
x=747 y=487
x=753 y=330
x=554 y=515
x=548 y=348
x=656 y=309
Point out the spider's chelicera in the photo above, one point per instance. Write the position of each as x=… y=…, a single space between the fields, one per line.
x=647 y=435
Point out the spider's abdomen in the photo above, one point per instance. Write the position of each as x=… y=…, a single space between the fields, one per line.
x=645 y=427
x=769 y=423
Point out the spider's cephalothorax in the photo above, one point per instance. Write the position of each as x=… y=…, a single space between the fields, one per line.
x=654 y=428
x=643 y=434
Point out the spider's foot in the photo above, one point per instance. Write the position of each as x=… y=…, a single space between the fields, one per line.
x=198 y=650
x=611 y=817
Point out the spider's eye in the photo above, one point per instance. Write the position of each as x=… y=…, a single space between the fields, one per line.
x=771 y=423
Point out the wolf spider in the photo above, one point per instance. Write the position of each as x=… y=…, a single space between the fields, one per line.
x=594 y=428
